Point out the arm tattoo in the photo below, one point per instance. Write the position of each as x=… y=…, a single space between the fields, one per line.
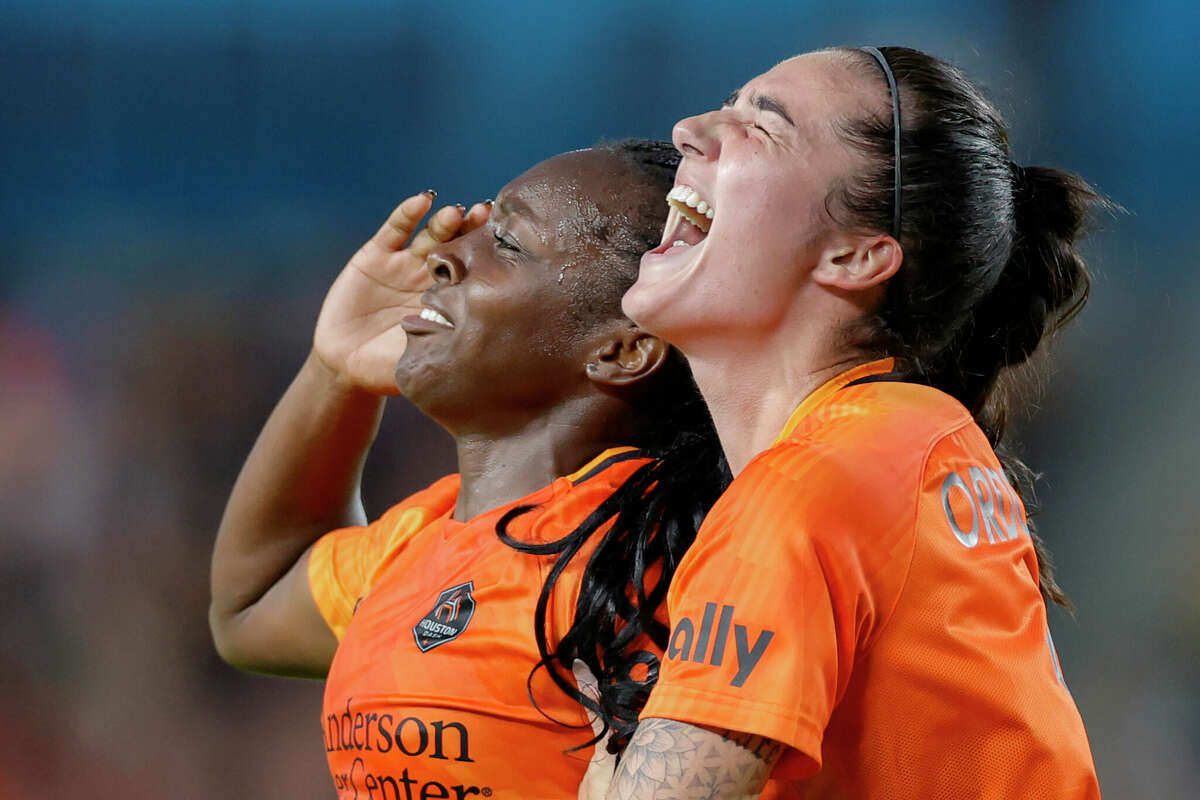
x=669 y=760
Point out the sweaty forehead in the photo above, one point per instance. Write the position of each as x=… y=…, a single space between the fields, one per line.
x=571 y=196
x=584 y=175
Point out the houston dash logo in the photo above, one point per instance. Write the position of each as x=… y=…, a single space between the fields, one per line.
x=450 y=616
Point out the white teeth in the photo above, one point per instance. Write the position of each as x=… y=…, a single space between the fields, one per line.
x=679 y=243
x=433 y=316
x=691 y=206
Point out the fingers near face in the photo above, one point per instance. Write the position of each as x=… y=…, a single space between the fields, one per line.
x=403 y=220
x=441 y=227
x=477 y=216
x=448 y=222
x=519 y=290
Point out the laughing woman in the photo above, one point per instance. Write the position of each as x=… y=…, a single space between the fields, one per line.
x=446 y=628
x=853 y=265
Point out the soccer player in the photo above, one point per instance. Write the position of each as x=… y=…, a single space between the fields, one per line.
x=853 y=265
x=586 y=462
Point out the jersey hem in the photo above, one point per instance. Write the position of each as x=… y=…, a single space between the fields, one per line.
x=697 y=707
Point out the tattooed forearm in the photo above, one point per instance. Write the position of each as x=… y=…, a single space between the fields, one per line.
x=669 y=760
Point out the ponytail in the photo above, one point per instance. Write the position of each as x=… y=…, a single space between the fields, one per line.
x=990 y=267
x=1040 y=288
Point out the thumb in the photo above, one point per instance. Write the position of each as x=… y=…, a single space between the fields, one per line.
x=600 y=771
x=589 y=688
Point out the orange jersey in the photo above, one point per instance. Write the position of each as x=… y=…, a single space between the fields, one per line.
x=866 y=592
x=427 y=696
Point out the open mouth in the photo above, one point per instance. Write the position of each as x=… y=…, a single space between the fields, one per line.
x=688 y=222
x=689 y=203
x=430 y=315
x=428 y=319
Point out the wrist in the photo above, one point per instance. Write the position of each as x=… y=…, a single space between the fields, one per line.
x=333 y=381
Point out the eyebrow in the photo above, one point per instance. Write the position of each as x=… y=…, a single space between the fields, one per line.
x=763 y=102
x=507 y=206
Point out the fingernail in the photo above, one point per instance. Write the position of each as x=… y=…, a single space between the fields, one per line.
x=460 y=207
x=488 y=202
x=432 y=194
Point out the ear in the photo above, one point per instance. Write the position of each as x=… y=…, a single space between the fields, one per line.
x=626 y=356
x=860 y=263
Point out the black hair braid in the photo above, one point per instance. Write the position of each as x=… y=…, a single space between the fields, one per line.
x=654 y=517
x=990 y=262
x=647 y=525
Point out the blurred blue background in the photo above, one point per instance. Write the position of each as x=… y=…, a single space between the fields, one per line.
x=180 y=182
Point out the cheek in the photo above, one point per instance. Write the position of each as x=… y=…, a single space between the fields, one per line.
x=770 y=240
x=759 y=184
x=772 y=212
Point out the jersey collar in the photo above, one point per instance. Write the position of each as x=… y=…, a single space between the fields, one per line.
x=542 y=498
x=878 y=367
x=602 y=462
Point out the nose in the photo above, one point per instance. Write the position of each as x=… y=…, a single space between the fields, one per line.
x=696 y=137
x=445 y=267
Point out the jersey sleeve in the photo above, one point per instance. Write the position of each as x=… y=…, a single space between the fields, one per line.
x=793 y=573
x=343 y=562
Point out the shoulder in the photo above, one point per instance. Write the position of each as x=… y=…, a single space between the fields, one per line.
x=880 y=418
x=836 y=505
x=343 y=563
x=395 y=527
x=869 y=433
x=574 y=498
x=433 y=501
x=874 y=437
x=854 y=465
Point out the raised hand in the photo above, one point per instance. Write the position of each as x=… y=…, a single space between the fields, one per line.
x=302 y=477
x=358 y=335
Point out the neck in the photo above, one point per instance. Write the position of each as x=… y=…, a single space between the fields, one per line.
x=498 y=469
x=752 y=390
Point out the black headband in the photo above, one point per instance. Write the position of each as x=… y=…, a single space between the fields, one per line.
x=891 y=79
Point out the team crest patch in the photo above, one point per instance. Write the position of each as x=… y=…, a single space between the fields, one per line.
x=450 y=616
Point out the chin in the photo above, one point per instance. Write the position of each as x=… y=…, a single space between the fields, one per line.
x=657 y=312
x=440 y=392
x=640 y=305
x=418 y=381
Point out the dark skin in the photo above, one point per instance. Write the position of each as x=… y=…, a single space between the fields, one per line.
x=529 y=387
x=541 y=380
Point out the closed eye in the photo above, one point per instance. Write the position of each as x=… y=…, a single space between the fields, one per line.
x=503 y=243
